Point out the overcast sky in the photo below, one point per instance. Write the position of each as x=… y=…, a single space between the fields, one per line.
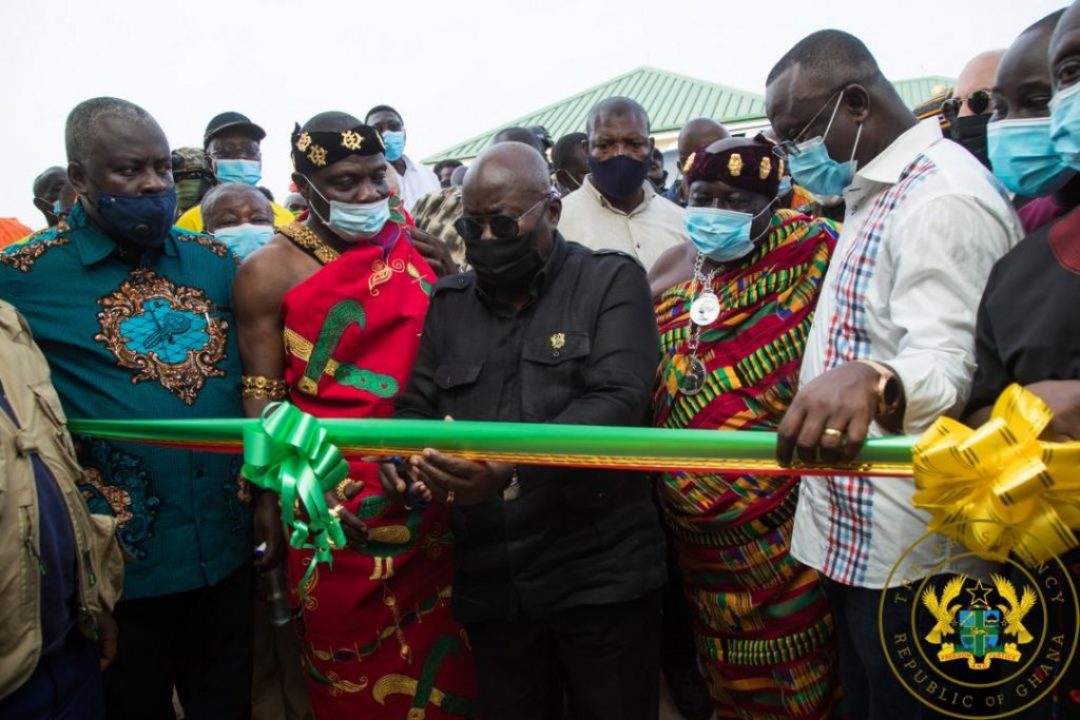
x=453 y=68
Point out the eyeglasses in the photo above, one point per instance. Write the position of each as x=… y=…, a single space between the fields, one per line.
x=234 y=151
x=787 y=148
x=978 y=103
x=504 y=227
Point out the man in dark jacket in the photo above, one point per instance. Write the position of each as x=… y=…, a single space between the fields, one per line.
x=557 y=570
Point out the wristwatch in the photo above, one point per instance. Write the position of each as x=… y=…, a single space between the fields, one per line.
x=888 y=388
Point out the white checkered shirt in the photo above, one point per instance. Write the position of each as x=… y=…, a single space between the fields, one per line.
x=925 y=223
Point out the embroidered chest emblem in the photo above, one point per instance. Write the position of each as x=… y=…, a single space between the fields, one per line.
x=165 y=332
x=558 y=342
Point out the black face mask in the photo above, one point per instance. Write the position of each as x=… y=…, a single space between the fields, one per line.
x=142 y=220
x=621 y=176
x=970 y=132
x=509 y=264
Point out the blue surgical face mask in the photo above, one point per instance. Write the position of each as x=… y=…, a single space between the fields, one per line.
x=722 y=235
x=353 y=222
x=57 y=208
x=142 y=220
x=1023 y=157
x=815 y=170
x=1065 y=125
x=394 y=141
x=785 y=186
x=248 y=172
x=245 y=239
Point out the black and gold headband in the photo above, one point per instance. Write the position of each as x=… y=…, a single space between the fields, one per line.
x=313 y=150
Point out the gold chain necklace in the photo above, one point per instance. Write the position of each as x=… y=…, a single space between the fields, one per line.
x=306 y=238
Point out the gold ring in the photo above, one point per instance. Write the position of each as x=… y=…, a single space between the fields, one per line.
x=833 y=432
x=339 y=490
x=336 y=511
x=449 y=497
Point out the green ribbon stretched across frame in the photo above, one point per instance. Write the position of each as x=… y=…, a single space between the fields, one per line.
x=524 y=443
x=301 y=458
x=294 y=454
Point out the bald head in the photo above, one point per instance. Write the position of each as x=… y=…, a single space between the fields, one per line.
x=231 y=204
x=698 y=132
x=616 y=107
x=520 y=135
x=91 y=119
x=978 y=74
x=511 y=179
x=48 y=187
x=510 y=164
x=826 y=56
x=1022 y=85
x=50 y=179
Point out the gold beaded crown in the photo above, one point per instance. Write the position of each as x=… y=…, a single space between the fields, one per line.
x=750 y=166
x=313 y=150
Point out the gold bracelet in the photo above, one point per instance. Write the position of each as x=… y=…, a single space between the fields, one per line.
x=339 y=490
x=259 y=387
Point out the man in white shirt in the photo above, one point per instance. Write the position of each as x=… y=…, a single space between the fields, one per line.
x=416 y=180
x=616 y=208
x=892 y=345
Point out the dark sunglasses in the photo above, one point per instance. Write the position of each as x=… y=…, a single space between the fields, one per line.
x=978 y=103
x=504 y=227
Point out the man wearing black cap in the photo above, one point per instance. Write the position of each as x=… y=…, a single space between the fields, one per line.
x=232 y=143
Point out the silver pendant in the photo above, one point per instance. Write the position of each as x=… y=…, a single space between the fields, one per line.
x=693 y=380
x=705 y=309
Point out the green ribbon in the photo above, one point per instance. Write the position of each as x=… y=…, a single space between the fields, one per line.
x=288 y=452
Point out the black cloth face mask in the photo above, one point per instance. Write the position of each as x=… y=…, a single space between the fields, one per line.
x=505 y=264
x=970 y=132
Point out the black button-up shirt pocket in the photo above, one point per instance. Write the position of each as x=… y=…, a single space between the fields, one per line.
x=456 y=381
x=553 y=373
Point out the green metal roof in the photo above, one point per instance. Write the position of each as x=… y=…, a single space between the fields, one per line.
x=670 y=99
x=918 y=90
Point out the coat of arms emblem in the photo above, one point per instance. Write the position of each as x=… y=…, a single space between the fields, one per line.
x=983 y=628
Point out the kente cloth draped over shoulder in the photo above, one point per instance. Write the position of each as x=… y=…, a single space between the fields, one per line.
x=378 y=637
x=761 y=620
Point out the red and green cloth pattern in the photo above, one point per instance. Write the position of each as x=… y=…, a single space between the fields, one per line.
x=378 y=636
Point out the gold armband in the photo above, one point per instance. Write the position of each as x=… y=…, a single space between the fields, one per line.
x=259 y=387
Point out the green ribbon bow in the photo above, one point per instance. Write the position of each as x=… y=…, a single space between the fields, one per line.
x=287 y=452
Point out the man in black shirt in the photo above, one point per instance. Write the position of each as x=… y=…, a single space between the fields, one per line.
x=1028 y=327
x=557 y=570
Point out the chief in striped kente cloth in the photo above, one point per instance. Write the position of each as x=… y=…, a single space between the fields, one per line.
x=734 y=307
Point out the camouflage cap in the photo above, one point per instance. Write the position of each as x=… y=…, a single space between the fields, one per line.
x=190 y=161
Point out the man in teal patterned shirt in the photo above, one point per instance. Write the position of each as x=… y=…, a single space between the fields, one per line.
x=135 y=320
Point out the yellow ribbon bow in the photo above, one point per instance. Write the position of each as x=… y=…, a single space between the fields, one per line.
x=998 y=488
